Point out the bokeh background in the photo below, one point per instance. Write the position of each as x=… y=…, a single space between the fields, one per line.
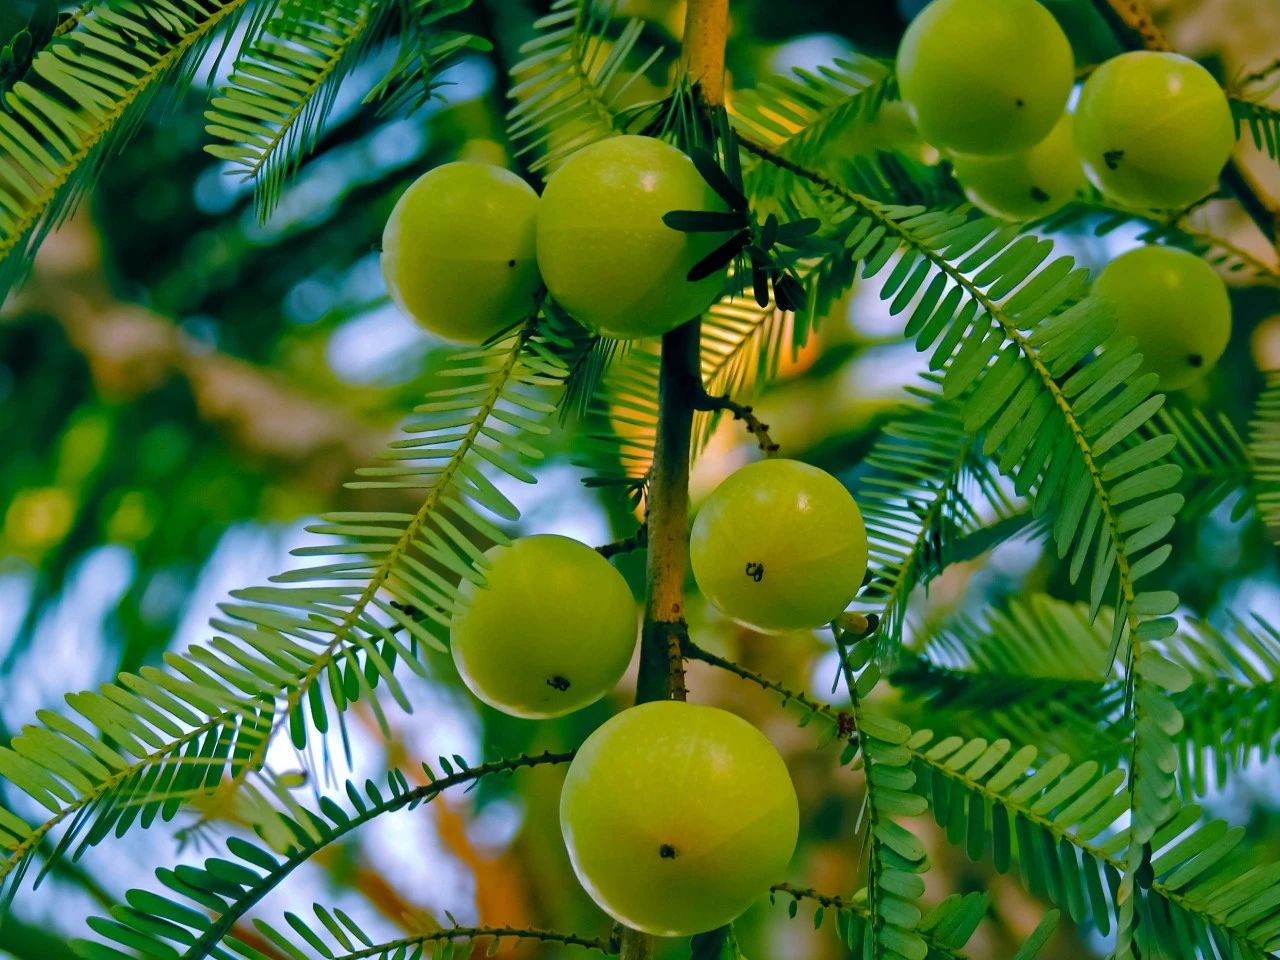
x=181 y=388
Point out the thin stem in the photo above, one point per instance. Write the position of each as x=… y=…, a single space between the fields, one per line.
x=1134 y=15
x=527 y=934
x=843 y=720
x=850 y=905
x=637 y=541
x=661 y=675
x=873 y=846
x=1257 y=76
x=741 y=411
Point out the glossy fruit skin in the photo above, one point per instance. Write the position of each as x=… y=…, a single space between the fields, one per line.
x=987 y=77
x=1154 y=129
x=1174 y=305
x=677 y=817
x=551 y=632
x=604 y=252
x=1028 y=185
x=780 y=545
x=458 y=250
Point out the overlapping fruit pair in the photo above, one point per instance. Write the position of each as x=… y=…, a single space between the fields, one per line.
x=468 y=244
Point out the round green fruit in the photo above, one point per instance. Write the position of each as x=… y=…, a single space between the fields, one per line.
x=1174 y=305
x=458 y=250
x=985 y=76
x=780 y=545
x=604 y=252
x=1154 y=129
x=676 y=817
x=551 y=631
x=1028 y=185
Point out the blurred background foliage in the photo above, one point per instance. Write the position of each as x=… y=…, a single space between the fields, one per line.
x=181 y=387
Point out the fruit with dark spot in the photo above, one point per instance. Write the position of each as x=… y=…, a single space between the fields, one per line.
x=604 y=252
x=1027 y=185
x=985 y=76
x=551 y=631
x=1154 y=129
x=677 y=817
x=458 y=250
x=780 y=545
x=1175 y=305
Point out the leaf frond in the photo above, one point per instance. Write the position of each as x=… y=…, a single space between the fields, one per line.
x=199 y=906
x=271 y=112
x=926 y=490
x=85 y=96
x=1262 y=122
x=896 y=858
x=1264 y=454
x=298 y=651
x=575 y=81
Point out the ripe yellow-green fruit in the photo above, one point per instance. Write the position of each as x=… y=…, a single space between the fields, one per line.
x=677 y=817
x=458 y=250
x=1174 y=305
x=1154 y=129
x=551 y=631
x=1024 y=186
x=604 y=252
x=985 y=76
x=780 y=545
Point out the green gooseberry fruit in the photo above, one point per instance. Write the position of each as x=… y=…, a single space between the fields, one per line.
x=1154 y=129
x=780 y=545
x=1027 y=185
x=677 y=816
x=458 y=250
x=604 y=252
x=551 y=631
x=985 y=76
x=1175 y=305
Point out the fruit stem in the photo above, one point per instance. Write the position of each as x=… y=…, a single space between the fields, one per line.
x=661 y=673
x=740 y=411
x=706 y=27
x=634 y=945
